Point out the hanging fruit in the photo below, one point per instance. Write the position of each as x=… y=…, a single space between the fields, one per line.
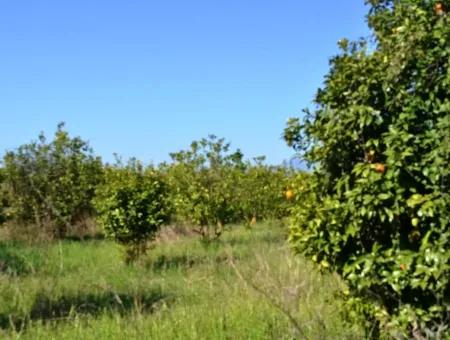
x=439 y=8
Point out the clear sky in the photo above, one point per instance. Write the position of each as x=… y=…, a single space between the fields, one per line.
x=144 y=78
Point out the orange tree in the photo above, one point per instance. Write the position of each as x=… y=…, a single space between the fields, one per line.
x=203 y=187
x=377 y=206
x=261 y=191
x=132 y=204
x=51 y=183
x=3 y=202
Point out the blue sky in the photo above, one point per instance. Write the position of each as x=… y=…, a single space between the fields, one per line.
x=144 y=78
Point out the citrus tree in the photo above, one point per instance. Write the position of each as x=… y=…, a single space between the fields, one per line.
x=261 y=191
x=132 y=205
x=377 y=206
x=51 y=184
x=3 y=203
x=203 y=185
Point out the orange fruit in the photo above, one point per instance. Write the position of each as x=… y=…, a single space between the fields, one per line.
x=439 y=8
x=380 y=168
x=289 y=194
x=403 y=266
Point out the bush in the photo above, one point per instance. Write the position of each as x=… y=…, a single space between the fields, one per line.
x=261 y=192
x=3 y=203
x=377 y=206
x=202 y=181
x=132 y=205
x=212 y=187
x=51 y=185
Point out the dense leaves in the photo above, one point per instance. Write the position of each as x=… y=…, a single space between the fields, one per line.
x=132 y=205
x=377 y=208
x=3 y=202
x=211 y=187
x=261 y=194
x=50 y=184
x=202 y=184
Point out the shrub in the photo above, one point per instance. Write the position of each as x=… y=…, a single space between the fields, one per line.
x=261 y=191
x=132 y=204
x=212 y=187
x=51 y=184
x=3 y=203
x=202 y=181
x=377 y=206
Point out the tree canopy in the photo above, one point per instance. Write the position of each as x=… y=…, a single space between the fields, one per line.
x=378 y=205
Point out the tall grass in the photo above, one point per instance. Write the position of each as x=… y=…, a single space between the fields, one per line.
x=245 y=286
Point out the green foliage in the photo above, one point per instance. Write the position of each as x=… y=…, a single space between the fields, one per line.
x=132 y=205
x=261 y=192
x=211 y=187
x=202 y=181
x=3 y=202
x=377 y=207
x=16 y=261
x=50 y=184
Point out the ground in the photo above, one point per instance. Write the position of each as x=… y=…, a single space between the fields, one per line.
x=247 y=285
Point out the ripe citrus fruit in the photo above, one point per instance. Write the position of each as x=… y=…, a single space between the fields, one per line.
x=380 y=168
x=439 y=8
x=289 y=194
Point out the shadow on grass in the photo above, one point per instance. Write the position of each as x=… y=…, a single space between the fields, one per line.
x=186 y=261
x=164 y=262
x=84 y=238
x=48 y=309
x=267 y=238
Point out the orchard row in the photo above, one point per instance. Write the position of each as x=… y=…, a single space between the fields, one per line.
x=53 y=185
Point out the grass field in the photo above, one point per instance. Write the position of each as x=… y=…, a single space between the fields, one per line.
x=246 y=286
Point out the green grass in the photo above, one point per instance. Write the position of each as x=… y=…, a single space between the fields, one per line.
x=245 y=286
